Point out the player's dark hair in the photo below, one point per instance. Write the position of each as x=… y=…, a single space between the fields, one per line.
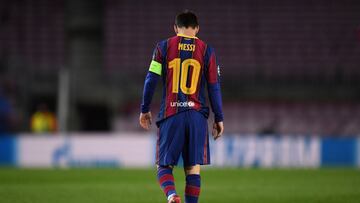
x=186 y=19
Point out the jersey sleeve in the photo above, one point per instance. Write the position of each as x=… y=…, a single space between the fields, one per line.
x=213 y=83
x=151 y=79
x=156 y=62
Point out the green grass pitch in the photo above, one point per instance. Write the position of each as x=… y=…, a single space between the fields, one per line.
x=218 y=186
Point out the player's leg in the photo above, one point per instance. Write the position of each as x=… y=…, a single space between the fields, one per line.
x=167 y=181
x=169 y=146
x=193 y=183
x=195 y=153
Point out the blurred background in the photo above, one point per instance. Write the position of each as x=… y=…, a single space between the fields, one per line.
x=72 y=73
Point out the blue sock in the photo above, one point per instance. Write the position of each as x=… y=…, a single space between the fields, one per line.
x=166 y=180
x=192 y=189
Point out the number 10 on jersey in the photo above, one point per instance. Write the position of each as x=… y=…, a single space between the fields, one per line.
x=176 y=65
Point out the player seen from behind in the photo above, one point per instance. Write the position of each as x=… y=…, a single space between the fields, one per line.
x=188 y=70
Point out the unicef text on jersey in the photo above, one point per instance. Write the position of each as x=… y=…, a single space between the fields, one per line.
x=182 y=104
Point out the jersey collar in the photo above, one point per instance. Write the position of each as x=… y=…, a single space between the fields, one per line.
x=182 y=35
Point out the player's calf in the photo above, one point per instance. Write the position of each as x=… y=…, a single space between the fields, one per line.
x=166 y=181
x=193 y=183
x=192 y=189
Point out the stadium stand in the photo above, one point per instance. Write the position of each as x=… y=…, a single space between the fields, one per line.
x=290 y=41
x=32 y=35
x=305 y=51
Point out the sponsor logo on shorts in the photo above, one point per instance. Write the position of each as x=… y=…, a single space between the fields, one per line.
x=182 y=104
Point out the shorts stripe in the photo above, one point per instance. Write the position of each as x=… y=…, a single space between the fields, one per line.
x=158 y=146
x=205 y=147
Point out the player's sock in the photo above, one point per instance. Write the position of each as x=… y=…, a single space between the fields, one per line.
x=166 y=180
x=192 y=189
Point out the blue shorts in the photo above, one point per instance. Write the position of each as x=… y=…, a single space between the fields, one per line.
x=185 y=134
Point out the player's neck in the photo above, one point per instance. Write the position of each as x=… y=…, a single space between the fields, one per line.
x=187 y=35
x=189 y=32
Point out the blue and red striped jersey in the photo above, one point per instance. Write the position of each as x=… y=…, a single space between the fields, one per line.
x=187 y=66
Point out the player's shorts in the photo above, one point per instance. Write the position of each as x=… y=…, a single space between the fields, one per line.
x=185 y=134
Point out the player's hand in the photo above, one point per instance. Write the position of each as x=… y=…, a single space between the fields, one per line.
x=145 y=120
x=218 y=129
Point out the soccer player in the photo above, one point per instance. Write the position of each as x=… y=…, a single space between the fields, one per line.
x=187 y=66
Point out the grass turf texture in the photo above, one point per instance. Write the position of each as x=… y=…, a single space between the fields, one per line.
x=218 y=185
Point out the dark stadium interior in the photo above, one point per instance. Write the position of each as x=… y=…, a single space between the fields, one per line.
x=288 y=67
